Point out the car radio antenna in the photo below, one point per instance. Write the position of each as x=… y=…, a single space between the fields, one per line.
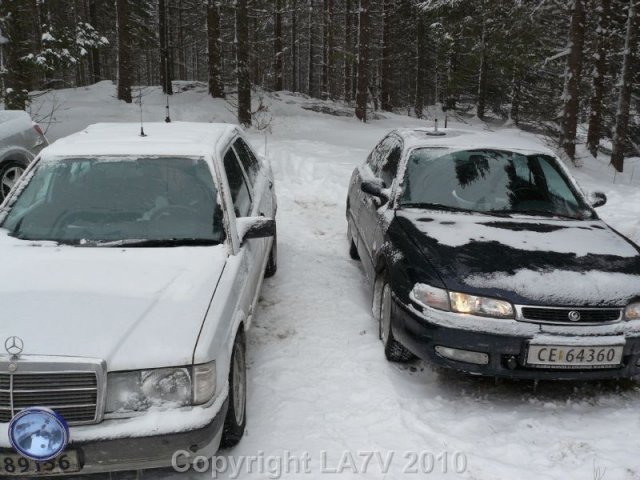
x=167 y=119
x=142 y=134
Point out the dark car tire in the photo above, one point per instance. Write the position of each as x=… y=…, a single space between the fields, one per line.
x=353 y=251
x=10 y=171
x=236 y=419
x=272 y=263
x=393 y=350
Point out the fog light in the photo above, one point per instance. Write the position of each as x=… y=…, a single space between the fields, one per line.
x=466 y=356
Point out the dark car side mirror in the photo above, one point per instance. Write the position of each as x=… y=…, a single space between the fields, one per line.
x=255 y=227
x=376 y=189
x=597 y=199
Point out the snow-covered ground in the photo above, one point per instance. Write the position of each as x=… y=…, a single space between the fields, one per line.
x=320 y=390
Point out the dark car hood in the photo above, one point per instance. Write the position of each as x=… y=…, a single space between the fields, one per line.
x=527 y=260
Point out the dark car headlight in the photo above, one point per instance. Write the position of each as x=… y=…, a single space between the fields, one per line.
x=441 y=299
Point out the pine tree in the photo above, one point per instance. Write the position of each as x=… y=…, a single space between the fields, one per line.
x=16 y=17
x=165 y=71
x=242 y=63
x=571 y=95
x=363 y=61
x=124 y=62
x=626 y=86
x=214 y=54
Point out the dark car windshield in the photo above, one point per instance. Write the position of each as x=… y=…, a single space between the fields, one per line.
x=106 y=200
x=489 y=181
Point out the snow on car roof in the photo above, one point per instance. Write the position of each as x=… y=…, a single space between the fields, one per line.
x=176 y=138
x=505 y=139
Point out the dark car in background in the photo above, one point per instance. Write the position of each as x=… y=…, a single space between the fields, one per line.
x=485 y=256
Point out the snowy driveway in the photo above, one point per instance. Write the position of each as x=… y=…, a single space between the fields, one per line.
x=320 y=387
x=320 y=390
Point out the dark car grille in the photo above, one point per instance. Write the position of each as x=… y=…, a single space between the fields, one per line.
x=72 y=395
x=563 y=315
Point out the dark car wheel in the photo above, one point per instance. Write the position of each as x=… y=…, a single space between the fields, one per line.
x=353 y=251
x=272 y=262
x=236 y=418
x=393 y=350
x=10 y=172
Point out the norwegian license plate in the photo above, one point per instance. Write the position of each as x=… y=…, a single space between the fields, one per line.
x=14 y=464
x=574 y=356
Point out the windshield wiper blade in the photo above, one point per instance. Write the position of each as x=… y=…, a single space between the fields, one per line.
x=533 y=212
x=435 y=206
x=159 y=242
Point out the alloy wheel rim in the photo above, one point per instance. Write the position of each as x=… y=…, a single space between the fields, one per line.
x=9 y=179
x=239 y=385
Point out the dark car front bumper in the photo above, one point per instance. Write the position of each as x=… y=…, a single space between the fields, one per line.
x=505 y=342
x=145 y=452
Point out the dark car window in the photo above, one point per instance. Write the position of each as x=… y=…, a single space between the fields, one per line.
x=489 y=181
x=389 y=165
x=248 y=160
x=376 y=156
x=110 y=199
x=239 y=189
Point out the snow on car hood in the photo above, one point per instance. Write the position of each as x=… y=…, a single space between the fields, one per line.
x=132 y=307
x=527 y=260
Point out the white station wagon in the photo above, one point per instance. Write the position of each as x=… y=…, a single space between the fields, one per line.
x=131 y=270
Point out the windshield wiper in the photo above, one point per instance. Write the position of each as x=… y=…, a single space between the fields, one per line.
x=436 y=206
x=533 y=212
x=157 y=243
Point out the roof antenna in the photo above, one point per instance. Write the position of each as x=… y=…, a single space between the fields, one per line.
x=435 y=132
x=142 y=134
x=167 y=119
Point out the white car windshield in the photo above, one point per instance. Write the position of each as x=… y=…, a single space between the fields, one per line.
x=118 y=200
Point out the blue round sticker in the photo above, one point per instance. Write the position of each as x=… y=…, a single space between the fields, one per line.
x=38 y=434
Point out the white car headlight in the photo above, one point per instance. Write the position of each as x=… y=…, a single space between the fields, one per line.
x=139 y=390
x=167 y=386
x=428 y=296
x=632 y=311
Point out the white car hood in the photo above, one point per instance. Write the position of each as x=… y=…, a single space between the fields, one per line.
x=132 y=307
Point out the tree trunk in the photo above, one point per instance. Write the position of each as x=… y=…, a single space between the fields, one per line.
x=278 y=45
x=325 y=50
x=386 y=80
x=96 y=70
x=295 y=48
x=242 y=63
x=165 y=73
x=124 y=62
x=311 y=69
x=363 y=61
x=348 y=32
x=17 y=15
x=599 y=74
x=626 y=87
x=331 y=47
x=422 y=71
x=572 y=79
x=216 y=87
x=482 y=71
